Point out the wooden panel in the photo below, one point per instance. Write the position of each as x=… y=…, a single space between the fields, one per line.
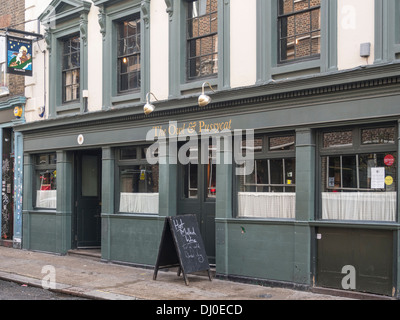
x=370 y=252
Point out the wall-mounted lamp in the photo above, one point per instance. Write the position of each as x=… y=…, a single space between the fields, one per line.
x=148 y=107
x=204 y=99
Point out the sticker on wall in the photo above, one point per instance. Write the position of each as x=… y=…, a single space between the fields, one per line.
x=389 y=180
x=389 y=160
x=81 y=139
x=18 y=112
x=142 y=175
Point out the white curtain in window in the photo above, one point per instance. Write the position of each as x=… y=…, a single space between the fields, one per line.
x=267 y=205
x=139 y=202
x=46 y=199
x=368 y=206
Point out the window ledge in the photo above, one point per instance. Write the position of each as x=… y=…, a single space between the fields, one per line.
x=296 y=66
x=356 y=224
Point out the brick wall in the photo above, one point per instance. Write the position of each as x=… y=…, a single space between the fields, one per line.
x=206 y=48
x=12 y=14
x=301 y=41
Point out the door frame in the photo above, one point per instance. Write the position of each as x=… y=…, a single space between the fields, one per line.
x=199 y=206
x=76 y=190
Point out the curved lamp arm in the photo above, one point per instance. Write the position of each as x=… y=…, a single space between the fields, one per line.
x=148 y=96
x=203 y=98
x=208 y=85
x=149 y=108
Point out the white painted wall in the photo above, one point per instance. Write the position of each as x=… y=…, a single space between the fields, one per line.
x=159 y=58
x=95 y=65
x=355 y=26
x=243 y=40
x=34 y=86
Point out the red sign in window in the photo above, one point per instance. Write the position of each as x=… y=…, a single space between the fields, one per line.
x=389 y=160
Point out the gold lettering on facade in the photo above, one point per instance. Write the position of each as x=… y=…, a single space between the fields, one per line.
x=192 y=127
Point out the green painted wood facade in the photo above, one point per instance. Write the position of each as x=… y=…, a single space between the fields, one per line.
x=316 y=96
x=271 y=250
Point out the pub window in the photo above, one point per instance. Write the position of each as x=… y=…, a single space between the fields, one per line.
x=299 y=27
x=129 y=54
x=202 y=38
x=270 y=191
x=138 y=182
x=190 y=174
x=46 y=181
x=359 y=183
x=71 y=69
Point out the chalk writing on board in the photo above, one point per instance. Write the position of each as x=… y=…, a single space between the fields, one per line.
x=190 y=246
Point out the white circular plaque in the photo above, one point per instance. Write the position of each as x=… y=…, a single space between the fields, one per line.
x=81 y=139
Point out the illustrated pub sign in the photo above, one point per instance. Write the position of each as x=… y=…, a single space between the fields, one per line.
x=19 y=56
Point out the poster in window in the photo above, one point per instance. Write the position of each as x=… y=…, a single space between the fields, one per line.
x=19 y=56
x=377 y=178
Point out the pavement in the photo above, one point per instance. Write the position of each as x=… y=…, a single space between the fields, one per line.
x=91 y=278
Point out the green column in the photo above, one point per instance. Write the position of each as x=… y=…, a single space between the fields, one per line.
x=305 y=201
x=64 y=201
x=168 y=183
x=107 y=200
x=223 y=209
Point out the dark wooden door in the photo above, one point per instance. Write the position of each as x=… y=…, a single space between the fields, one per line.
x=197 y=195
x=88 y=199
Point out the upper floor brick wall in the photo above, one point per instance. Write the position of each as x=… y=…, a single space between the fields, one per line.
x=12 y=14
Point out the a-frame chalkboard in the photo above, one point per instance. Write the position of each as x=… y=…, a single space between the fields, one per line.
x=182 y=246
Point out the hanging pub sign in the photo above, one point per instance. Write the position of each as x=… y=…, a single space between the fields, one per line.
x=19 y=56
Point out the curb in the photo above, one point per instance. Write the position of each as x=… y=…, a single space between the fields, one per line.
x=66 y=289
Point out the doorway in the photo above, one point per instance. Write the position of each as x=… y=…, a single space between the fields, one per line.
x=197 y=194
x=87 y=218
x=7 y=212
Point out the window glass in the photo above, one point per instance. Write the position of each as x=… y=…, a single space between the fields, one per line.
x=256 y=145
x=128 y=153
x=138 y=183
x=282 y=143
x=299 y=25
x=212 y=172
x=46 y=181
x=269 y=191
x=90 y=184
x=202 y=38
x=190 y=180
x=359 y=187
x=129 y=54
x=71 y=69
x=139 y=189
x=378 y=136
x=139 y=179
x=190 y=174
x=338 y=139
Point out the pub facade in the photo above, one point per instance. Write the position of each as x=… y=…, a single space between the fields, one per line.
x=293 y=98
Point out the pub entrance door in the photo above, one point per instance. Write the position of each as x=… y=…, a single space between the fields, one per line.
x=87 y=222
x=197 y=194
